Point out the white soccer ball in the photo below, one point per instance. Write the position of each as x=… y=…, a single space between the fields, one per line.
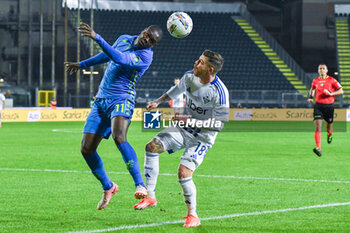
x=179 y=24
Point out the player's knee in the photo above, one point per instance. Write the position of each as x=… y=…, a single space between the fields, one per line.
x=154 y=146
x=150 y=147
x=180 y=174
x=119 y=139
x=184 y=172
x=85 y=151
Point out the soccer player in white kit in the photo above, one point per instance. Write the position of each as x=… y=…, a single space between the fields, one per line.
x=2 y=105
x=207 y=100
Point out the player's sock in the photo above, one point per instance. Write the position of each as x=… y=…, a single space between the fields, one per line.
x=151 y=172
x=318 y=139
x=328 y=134
x=189 y=193
x=96 y=165
x=132 y=164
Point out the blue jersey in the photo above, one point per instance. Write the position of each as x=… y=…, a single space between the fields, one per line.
x=127 y=63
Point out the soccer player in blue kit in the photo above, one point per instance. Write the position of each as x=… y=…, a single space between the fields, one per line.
x=129 y=57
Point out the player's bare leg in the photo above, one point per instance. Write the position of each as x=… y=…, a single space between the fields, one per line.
x=120 y=126
x=329 y=132
x=89 y=143
x=189 y=192
x=318 y=129
x=88 y=149
x=153 y=149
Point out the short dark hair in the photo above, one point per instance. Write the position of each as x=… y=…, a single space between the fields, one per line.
x=156 y=31
x=215 y=60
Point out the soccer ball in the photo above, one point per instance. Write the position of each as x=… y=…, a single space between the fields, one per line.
x=179 y=24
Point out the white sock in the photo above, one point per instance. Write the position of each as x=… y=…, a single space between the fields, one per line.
x=189 y=192
x=151 y=172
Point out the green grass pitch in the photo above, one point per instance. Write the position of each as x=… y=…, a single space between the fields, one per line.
x=45 y=185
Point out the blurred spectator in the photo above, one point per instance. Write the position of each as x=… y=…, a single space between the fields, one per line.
x=12 y=15
x=8 y=94
x=53 y=103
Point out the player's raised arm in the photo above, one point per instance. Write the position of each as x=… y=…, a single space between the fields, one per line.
x=148 y=38
x=153 y=104
x=172 y=93
x=86 y=30
x=73 y=67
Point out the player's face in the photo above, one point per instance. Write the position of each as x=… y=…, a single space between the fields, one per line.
x=147 y=38
x=177 y=81
x=201 y=67
x=322 y=70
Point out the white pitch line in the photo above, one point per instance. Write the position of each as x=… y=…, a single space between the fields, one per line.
x=67 y=130
x=169 y=174
x=272 y=178
x=217 y=217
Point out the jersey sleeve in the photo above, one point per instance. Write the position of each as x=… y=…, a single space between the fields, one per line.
x=221 y=106
x=95 y=60
x=178 y=89
x=139 y=60
x=336 y=85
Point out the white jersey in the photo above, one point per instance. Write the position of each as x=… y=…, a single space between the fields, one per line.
x=178 y=102
x=2 y=99
x=203 y=102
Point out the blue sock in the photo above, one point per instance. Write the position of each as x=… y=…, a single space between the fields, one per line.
x=96 y=165
x=132 y=164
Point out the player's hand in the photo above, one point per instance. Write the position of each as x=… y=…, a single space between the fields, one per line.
x=86 y=30
x=327 y=92
x=180 y=117
x=152 y=105
x=310 y=100
x=71 y=67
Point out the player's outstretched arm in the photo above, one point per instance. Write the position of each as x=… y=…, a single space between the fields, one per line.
x=153 y=104
x=71 y=67
x=110 y=52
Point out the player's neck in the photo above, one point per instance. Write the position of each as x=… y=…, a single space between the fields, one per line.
x=207 y=79
x=323 y=76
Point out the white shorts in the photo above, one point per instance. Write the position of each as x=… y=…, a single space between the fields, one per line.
x=175 y=138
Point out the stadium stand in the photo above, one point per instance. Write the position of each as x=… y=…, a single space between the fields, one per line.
x=246 y=66
x=272 y=55
x=343 y=53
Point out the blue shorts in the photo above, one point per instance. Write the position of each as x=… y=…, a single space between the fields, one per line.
x=103 y=111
